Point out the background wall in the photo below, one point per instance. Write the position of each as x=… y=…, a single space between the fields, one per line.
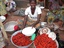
x=21 y=3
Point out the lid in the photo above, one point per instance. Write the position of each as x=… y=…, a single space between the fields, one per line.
x=52 y=35
x=28 y=31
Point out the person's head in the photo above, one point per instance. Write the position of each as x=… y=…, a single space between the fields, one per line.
x=62 y=1
x=58 y=21
x=32 y=3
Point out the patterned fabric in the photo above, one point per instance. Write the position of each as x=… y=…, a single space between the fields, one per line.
x=2 y=8
x=50 y=17
x=55 y=14
x=62 y=12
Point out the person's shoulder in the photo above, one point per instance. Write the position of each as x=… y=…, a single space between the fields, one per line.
x=38 y=8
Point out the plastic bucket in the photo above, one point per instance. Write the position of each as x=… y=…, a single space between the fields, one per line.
x=9 y=26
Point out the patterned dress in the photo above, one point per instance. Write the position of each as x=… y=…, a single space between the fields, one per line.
x=62 y=12
x=55 y=14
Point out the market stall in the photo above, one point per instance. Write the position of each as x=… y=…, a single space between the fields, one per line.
x=48 y=33
x=10 y=18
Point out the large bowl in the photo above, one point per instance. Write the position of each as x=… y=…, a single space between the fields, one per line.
x=9 y=26
x=15 y=44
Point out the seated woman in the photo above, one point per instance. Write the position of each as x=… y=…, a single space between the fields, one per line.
x=32 y=15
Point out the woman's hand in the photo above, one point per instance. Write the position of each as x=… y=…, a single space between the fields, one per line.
x=23 y=27
x=38 y=20
x=33 y=25
x=25 y=21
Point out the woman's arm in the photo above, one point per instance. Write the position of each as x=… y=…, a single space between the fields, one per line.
x=38 y=20
x=25 y=21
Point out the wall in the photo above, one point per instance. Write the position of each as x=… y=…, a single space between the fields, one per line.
x=21 y=3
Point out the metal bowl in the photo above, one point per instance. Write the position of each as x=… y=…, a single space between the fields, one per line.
x=9 y=26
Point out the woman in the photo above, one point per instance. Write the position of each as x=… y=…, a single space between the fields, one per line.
x=32 y=15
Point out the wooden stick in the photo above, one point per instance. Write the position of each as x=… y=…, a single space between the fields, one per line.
x=3 y=31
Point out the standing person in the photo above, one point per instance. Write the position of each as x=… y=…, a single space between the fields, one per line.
x=32 y=14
